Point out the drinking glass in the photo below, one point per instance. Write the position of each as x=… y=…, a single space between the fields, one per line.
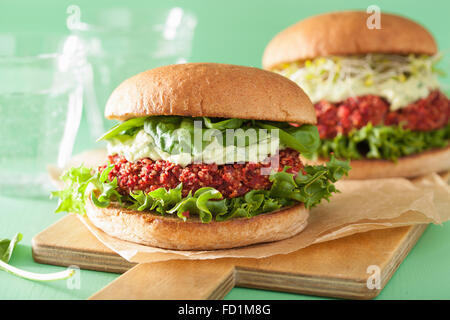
x=120 y=42
x=40 y=109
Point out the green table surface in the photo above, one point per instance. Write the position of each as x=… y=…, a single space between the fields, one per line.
x=232 y=31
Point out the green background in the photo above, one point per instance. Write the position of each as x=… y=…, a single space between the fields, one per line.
x=232 y=31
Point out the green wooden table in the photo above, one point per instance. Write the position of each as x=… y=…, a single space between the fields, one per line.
x=232 y=31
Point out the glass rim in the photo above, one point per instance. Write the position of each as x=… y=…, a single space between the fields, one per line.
x=27 y=58
x=24 y=36
x=96 y=27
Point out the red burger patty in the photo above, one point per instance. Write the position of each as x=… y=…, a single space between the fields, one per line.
x=232 y=180
x=430 y=113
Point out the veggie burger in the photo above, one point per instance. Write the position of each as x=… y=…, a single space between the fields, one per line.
x=205 y=157
x=375 y=91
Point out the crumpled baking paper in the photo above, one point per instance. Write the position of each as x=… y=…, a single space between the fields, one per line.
x=361 y=205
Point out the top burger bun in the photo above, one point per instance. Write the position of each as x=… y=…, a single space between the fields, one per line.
x=347 y=33
x=211 y=90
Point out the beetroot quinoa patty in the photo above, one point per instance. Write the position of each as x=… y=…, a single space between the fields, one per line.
x=232 y=180
x=430 y=113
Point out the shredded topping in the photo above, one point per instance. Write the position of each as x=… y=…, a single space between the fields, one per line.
x=399 y=79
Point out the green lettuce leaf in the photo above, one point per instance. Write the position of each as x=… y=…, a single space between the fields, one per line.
x=221 y=124
x=76 y=180
x=124 y=128
x=305 y=139
x=312 y=185
x=7 y=247
x=202 y=203
x=159 y=200
x=383 y=142
x=173 y=135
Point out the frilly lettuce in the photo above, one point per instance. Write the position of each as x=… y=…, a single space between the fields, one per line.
x=383 y=142
x=309 y=187
x=77 y=180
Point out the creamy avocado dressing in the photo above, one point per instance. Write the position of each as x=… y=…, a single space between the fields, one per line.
x=142 y=146
x=398 y=94
x=337 y=78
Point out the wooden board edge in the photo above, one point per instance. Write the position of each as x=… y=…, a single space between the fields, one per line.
x=402 y=252
x=305 y=284
x=224 y=288
x=84 y=260
x=221 y=281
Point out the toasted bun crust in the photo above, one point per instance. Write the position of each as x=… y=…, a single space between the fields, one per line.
x=173 y=233
x=346 y=33
x=437 y=160
x=211 y=90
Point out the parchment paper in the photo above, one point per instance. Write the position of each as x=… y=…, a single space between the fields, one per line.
x=360 y=206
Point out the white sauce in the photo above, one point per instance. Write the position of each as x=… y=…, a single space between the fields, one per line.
x=142 y=146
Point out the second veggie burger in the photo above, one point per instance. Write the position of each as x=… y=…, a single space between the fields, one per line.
x=376 y=94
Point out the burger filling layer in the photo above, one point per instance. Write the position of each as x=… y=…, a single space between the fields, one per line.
x=375 y=106
x=231 y=180
x=158 y=165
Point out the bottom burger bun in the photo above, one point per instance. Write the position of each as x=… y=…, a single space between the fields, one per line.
x=174 y=233
x=436 y=160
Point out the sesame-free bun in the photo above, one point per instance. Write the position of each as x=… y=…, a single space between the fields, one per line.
x=346 y=33
x=173 y=233
x=436 y=160
x=211 y=90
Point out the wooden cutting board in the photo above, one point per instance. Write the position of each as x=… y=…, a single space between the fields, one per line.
x=339 y=268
